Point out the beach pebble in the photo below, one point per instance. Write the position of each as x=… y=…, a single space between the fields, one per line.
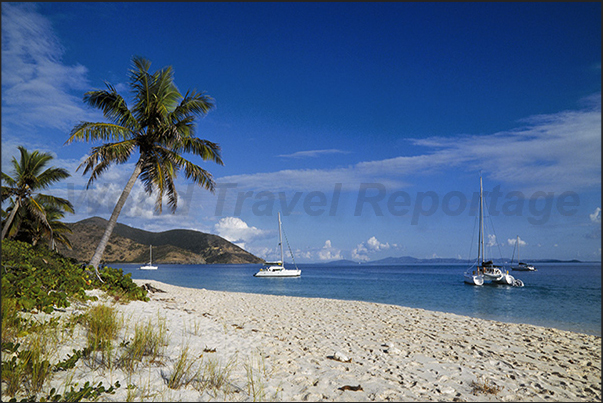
x=339 y=356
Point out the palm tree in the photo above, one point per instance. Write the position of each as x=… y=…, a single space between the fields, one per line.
x=54 y=231
x=159 y=126
x=30 y=176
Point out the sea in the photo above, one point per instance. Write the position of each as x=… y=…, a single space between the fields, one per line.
x=564 y=296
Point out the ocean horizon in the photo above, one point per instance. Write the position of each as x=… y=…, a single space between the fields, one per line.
x=564 y=296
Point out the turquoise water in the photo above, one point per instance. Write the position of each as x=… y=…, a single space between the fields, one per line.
x=565 y=296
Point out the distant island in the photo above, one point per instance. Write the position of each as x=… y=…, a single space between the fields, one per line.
x=414 y=260
x=131 y=245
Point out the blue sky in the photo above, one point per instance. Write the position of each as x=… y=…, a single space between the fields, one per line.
x=365 y=124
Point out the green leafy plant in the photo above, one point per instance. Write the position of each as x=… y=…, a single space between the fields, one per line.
x=119 y=285
x=36 y=278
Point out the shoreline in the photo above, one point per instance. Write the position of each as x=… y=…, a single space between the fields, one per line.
x=314 y=349
x=522 y=309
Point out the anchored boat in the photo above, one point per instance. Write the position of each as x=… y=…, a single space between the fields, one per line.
x=486 y=271
x=277 y=269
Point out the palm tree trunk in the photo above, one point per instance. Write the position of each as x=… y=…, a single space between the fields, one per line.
x=11 y=217
x=100 y=249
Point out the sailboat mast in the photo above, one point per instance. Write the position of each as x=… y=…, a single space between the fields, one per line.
x=280 y=239
x=517 y=249
x=480 y=259
x=150 y=254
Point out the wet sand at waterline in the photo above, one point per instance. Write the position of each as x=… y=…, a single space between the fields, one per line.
x=313 y=349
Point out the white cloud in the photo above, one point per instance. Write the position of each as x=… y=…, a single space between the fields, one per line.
x=372 y=245
x=556 y=152
x=309 y=179
x=360 y=252
x=313 y=153
x=513 y=242
x=491 y=240
x=595 y=219
x=237 y=231
x=328 y=252
x=596 y=216
x=37 y=89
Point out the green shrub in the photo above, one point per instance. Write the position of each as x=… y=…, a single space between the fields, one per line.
x=41 y=279
x=119 y=285
x=37 y=278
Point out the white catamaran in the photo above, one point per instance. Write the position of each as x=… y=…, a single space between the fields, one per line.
x=277 y=269
x=486 y=271
x=149 y=266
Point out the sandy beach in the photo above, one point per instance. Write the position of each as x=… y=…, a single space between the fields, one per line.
x=309 y=349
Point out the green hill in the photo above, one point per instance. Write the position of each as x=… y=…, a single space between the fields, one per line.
x=131 y=245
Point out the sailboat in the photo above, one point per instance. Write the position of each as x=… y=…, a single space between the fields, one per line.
x=521 y=266
x=277 y=269
x=486 y=271
x=149 y=266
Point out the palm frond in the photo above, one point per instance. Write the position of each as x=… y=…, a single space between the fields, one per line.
x=113 y=105
x=55 y=203
x=51 y=176
x=165 y=91
x=193 y=103
x=8 y=180
x=205 y=149
x=191 y=171
x=103 y=156
x=37 y=210
x=98 y=131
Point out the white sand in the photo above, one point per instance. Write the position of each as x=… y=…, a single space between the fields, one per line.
x=393 y=353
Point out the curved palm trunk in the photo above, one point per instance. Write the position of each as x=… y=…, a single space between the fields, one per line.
x=100 y=249
x=11 y=217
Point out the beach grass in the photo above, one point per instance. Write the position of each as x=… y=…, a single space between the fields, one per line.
x=148 y=341
x=102 y=326
x=217 y=376
x=257 y=378
x=182 y=371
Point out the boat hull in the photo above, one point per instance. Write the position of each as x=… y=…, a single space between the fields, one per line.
x=505 y=279
x=148 y=267
x=474 y=279
x=278 y=273
x=526 y=268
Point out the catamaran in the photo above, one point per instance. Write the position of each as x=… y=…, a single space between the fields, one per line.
x=521 y=266
x=486 y=271
x=277 y=269
x=149 y=266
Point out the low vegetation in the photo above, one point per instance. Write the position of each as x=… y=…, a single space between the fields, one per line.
x=149 y=341
x=38 y=280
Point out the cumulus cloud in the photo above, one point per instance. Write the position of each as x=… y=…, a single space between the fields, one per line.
x=372 y=245
x=513 y=242
x=491 y=240
x=237 y=231
x=328 y=252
